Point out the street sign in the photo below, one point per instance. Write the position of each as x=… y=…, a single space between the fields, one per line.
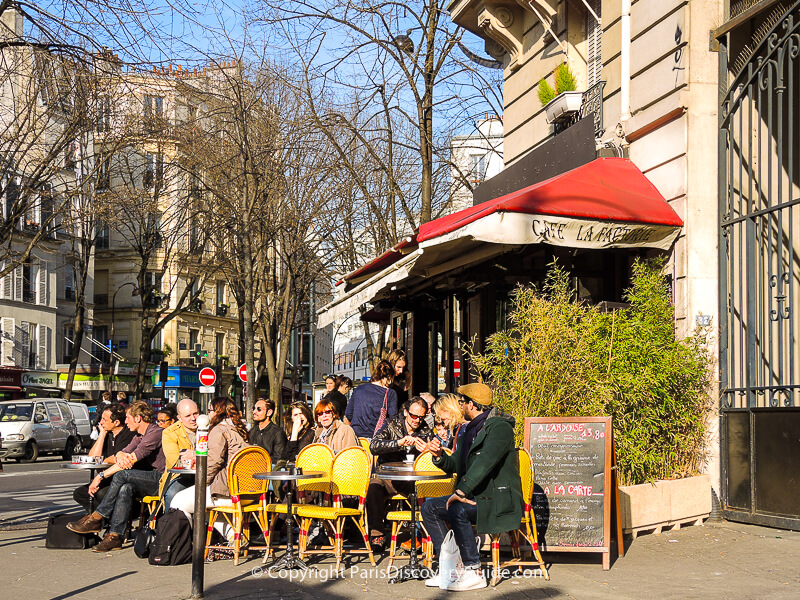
x=242 y=372
x=456 y=368
x=208 y=377
x=206 y=389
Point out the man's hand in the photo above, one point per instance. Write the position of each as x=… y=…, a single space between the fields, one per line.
x=457 y=498
x=125 y=461
x=421 y=445
x=435 y=447
x=95 y=485
x=406 y=441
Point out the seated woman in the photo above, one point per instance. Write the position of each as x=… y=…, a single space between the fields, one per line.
x=448 y=410
x=299 y=431
x=167 y=416
x=331 y=430
x=406 y=434
x=367 y=402
x=226 y=436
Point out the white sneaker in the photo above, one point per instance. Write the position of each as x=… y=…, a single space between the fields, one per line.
x=433 y=581
x=470 y=579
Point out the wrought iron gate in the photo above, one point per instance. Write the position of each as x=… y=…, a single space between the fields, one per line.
x=760 y=273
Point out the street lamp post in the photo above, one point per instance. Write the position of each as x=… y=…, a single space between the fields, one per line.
x=111 y=335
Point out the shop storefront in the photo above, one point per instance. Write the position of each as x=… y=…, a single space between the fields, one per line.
x=40 y=384
x=181 y=381
x=10 y=383
x=453 y=281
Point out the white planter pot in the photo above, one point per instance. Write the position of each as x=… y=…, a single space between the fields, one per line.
x=665 y=504
x=562 y=106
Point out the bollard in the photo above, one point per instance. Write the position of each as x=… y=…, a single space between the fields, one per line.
x=199 y=517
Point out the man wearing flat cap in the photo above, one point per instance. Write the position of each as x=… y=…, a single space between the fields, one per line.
x=488 y=490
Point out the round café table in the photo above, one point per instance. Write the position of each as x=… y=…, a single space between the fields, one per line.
x=92 y=468
x=405 y=466
x=412 y=569
x=289 y=560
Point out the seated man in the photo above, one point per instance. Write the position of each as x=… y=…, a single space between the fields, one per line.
x=406 y=433
x=176 y=440
x=488 y=489
x=137 y=471
x=265 y=432
x=114 y=436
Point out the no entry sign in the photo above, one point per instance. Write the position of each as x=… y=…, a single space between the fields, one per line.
x=242 y=371
x=208 y=376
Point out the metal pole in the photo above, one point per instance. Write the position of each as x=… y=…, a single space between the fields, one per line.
x=199 y=517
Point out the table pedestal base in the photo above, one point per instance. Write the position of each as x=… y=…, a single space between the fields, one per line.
x=288 y=561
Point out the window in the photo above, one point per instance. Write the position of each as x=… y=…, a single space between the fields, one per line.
x=477 y=167
x=194 y=336
x=12 y=197
x=154 y=170
x=103 y=237
x=100 y=344
x=67 y=340
x=104 y=172
x=71 y=155
x=29 y=277
x=69 y=282
x=104 y=114
x=220 y=346
x=220 y=292
x=153 y=107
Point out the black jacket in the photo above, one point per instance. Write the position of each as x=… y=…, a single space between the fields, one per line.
x=384 y=445
x=272 y=439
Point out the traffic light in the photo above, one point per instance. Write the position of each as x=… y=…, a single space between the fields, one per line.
x=199 y=354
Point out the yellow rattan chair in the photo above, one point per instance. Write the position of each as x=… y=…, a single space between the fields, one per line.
x=349 y=477
x=314 y=457
x=527 y=527
x=365 y=444
x=425 y=489
x=248 y=496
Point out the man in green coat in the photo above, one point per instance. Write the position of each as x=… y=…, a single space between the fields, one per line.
x=488 y=490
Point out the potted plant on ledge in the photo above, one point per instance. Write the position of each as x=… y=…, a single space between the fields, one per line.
x=563 y=101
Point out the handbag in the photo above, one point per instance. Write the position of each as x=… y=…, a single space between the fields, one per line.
x=147 y=534
x=384 y=414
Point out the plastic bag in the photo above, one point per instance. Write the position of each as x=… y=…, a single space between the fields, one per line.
x=449 y=561
x=95 y=434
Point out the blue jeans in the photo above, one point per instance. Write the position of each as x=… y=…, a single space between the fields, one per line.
x=116 y=505
x=178 y=484
x=461 y=516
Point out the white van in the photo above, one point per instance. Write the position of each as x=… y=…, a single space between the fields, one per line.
x=37 y=425
x=83 y=423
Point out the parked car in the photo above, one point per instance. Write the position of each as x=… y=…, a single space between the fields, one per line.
x=36 y=426
x=83 y=421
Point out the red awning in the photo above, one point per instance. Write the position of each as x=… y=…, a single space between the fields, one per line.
x=607 y=203
x=606 y=190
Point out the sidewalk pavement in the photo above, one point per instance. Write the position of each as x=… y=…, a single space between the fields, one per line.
x=720 y=560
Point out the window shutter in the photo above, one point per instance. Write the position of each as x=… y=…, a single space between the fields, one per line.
x=42 y=355
x=7 y=342
x=6 y=283
x=22 y=345
x=42 y=292
x=594 y=33
x=18 y=283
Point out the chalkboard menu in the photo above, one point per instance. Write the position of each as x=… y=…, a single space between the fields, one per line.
x=572 y=482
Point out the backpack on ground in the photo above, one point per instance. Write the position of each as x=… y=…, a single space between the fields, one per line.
x=173 y=541
x=60 y=538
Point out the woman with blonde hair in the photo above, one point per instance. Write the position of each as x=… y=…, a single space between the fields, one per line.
x=448 y=411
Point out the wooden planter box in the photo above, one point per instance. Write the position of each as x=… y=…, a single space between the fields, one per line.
x=665 y=504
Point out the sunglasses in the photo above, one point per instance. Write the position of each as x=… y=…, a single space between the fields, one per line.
x=416 y=417
x=163 y=420
x=324 y=412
